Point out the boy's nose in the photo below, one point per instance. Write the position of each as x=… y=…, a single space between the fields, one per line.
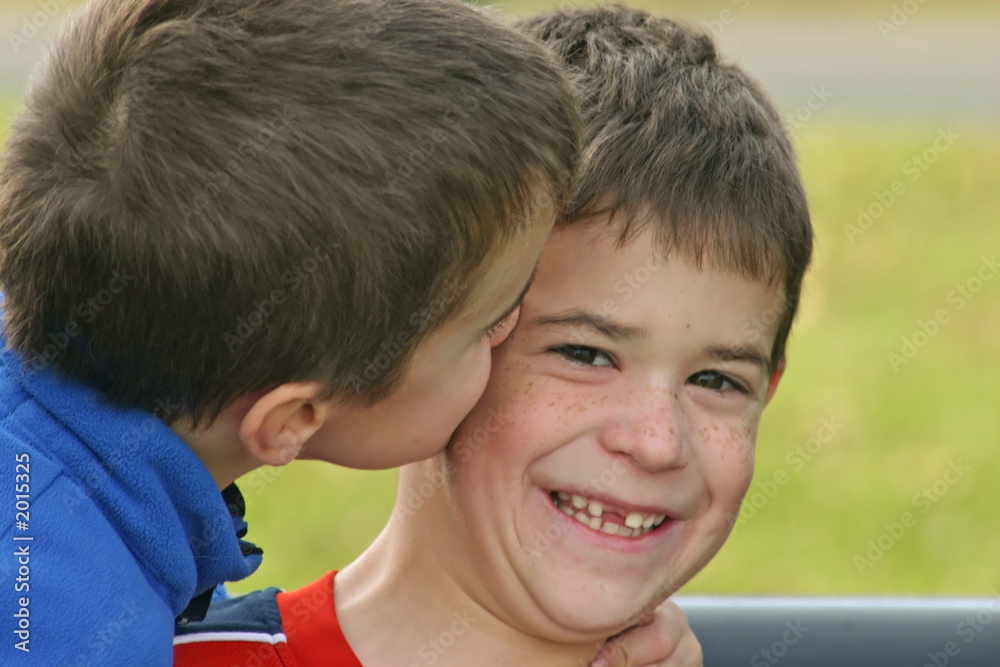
x=651 y=431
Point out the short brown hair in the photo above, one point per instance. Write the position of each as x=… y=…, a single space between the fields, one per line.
x=671 y=130
x=206 y=198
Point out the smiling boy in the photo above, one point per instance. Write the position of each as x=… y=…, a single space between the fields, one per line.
x=632 y=413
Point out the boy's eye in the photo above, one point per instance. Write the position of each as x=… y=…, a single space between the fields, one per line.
x=583 y=355
x=716 y=382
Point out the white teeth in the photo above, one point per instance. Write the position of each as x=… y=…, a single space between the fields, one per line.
x=590 y=513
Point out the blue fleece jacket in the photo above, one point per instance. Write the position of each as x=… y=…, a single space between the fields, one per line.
x=111 y=525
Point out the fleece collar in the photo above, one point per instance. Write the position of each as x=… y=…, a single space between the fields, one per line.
x=149 y=485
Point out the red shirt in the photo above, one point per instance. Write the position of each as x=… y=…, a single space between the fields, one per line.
x=269 y=629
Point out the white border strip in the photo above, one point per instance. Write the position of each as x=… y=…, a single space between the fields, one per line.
x=857 y=603
x=255 y=637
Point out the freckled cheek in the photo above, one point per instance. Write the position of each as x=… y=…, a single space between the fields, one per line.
x=536 y=418
x=730 y=450
x=744 y=436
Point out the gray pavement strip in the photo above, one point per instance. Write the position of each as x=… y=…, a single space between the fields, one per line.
x=941 y=65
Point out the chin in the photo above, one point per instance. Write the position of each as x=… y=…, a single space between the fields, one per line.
x=600 y=609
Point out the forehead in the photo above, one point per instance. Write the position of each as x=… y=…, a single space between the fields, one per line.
x=587 y=267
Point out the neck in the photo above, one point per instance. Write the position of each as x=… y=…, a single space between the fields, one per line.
x=402 y=598
x=219 y=447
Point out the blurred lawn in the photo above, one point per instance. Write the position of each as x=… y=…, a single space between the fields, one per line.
x=895 y=430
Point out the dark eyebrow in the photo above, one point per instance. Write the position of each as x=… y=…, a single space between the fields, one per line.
x=598 y=323
x=741 y=353
x=517 y=302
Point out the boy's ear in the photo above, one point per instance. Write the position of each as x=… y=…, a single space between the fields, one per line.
x=772 y=384
x=280 y=421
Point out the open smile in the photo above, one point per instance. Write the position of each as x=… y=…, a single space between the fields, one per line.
x=606 y=518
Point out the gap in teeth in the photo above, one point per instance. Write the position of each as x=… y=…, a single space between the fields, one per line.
x=590 y=513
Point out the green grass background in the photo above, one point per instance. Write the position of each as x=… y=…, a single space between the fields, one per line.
x=900 y=428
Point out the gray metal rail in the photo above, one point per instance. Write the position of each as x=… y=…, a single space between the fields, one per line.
x=846 y=631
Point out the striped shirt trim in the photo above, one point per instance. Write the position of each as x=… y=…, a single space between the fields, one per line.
x=254 y=637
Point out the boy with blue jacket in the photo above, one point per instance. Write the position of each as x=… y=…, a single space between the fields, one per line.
x=233 y=233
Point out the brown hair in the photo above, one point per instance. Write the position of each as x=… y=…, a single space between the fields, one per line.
x=206 y=198
x=671 y=130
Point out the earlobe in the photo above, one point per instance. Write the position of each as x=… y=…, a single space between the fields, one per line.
x=772 y=385
x=279 y=423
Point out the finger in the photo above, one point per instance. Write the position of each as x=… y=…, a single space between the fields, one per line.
x=611 y=655
x=687 y=654
x=666 y=641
